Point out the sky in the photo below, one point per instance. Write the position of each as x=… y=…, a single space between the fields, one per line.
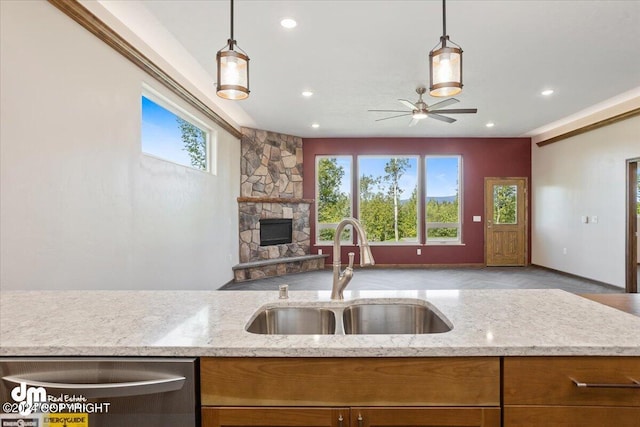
x=161 y=136
x=442 y=174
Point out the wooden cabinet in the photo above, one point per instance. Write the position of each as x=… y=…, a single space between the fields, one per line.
x=276 y=417
x=356 y=392
x=425 y=417
x=571 y=391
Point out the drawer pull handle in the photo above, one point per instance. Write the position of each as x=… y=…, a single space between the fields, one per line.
x=636 y=384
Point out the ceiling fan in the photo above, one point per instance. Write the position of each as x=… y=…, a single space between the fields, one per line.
x=420 y=110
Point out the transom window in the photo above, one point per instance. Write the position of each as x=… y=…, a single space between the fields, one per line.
x=170 y=133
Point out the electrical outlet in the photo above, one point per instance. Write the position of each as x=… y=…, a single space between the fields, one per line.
x=319 y=251
x=564 y=251
x=418 y=251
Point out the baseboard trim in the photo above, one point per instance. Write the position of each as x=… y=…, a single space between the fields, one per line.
x=401 y=266
x=576 y=276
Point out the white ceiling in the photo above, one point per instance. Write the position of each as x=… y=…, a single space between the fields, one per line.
x=360 y=55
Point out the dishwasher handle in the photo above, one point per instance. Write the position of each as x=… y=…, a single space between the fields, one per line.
x=101 y=390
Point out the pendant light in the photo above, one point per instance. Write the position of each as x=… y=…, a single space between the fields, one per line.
x=233 y=69
x=445 y=64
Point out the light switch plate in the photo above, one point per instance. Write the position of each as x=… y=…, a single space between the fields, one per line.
x=584 y=219
x=594 y=219
x=477 y=218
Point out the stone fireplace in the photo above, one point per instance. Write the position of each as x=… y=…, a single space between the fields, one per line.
x=271 y=189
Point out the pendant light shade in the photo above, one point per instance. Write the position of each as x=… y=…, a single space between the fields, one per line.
x=233 y=69
x=445 y=65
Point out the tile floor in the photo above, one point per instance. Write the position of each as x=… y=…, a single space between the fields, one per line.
x=434 y=278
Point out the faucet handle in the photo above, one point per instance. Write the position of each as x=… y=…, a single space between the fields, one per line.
x=351 y=258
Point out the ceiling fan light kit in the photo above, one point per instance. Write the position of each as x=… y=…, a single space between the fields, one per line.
x=445 y=64
x=233 y=69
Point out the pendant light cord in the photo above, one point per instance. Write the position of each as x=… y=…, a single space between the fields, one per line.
x=444 y=19
x=232 y=19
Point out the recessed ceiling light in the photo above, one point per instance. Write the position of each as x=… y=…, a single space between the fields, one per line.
x=315 y=126
x=490 y=124
x=547 y=92
x=288 y=23
x=307 y=93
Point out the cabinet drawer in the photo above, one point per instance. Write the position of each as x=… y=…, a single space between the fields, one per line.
x=552 y=381
x=571 y=416
x=280 y=417
x=350 y=381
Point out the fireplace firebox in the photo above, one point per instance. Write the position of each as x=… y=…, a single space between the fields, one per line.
x=275 y=231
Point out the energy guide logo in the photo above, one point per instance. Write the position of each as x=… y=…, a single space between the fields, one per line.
x=28 y=398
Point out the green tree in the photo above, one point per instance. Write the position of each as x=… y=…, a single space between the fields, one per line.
x=395 y=169
x=333 y=205
x=408 y=217
x=375 y=214
x=195 y=143
x=504 y=204
x=442 y=211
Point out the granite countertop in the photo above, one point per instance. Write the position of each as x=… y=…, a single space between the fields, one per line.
x=212 y=323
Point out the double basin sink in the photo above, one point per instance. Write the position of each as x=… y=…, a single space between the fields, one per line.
x=354 y=318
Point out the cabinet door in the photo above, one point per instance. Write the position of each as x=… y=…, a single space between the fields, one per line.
x=424 y=417
x=274 y=417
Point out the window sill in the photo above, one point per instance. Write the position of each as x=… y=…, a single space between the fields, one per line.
x=444 y=244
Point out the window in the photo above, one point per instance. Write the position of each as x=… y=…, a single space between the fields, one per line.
x=333 y=193
x=171 y=134
x=389 y=198
x=442 y=204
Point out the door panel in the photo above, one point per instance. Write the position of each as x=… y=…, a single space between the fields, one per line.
x=506 y=221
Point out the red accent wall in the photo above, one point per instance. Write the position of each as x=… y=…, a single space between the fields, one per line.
x=481 y=157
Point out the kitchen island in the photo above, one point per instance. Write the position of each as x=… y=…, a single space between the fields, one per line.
x=512 y=357
x=203 y=323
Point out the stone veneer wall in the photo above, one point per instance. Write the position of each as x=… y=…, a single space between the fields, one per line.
x=271 y=164
x=271 y=187
x=252 y=212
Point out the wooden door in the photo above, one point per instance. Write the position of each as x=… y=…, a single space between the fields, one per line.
x=505 y=221
x=274 y=417
x=425 y=417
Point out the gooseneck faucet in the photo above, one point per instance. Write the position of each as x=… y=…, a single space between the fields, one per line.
x=342 y=278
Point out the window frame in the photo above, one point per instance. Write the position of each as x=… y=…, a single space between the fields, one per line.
x=328 y=226
x=211 y=140
x=459 y=224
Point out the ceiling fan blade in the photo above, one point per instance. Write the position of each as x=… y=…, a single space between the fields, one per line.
x=442 y=118
x=408 y=104
x=414 y=122
x=444 y=103
x=393 y=117
x=391 y=111
x=456 y=111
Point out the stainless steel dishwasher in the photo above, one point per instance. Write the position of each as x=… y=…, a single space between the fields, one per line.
x=98 y=392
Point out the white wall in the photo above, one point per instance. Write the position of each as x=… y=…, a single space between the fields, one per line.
x=81 y=207
x=583 y=176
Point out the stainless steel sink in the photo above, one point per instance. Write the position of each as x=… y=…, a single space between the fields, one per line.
x=294 y=321
x=392 y=319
